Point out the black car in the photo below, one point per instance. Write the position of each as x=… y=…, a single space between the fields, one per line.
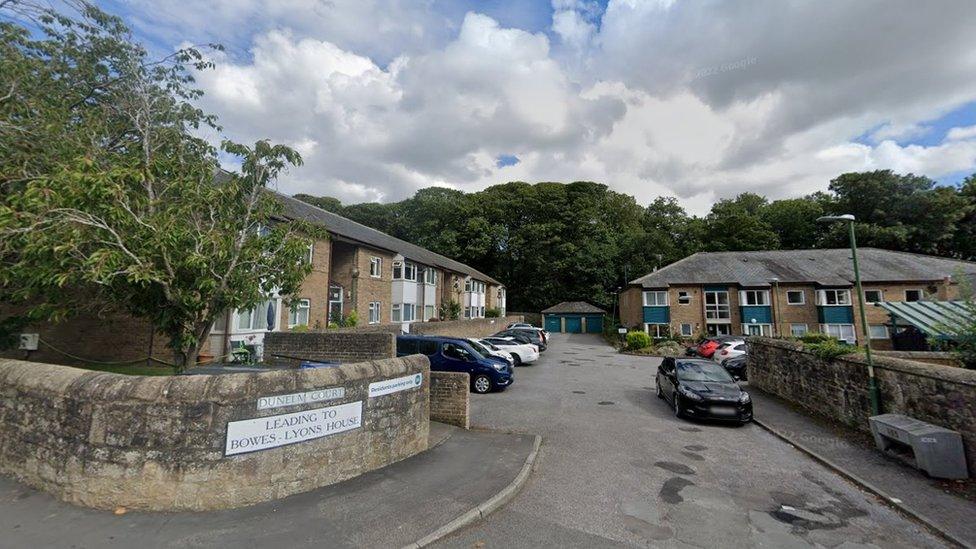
x=736 y=367
x=702 y=389
x=534 y=337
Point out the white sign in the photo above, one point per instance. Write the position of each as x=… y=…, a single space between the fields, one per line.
x=395 y=385
x=318 y=395
x=251 y=435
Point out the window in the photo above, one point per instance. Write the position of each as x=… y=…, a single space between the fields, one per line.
x=878 y=331
x=795 y=297
x=833 y=297
x=843 y=332
x=684 y=298
x=658 y=331
x=655 y=299
x=687 y=330
x=467 y=285
x=430 y=276
x=467 y=312
x=409 y=271
x=913 y=295
x=757 y=329
x=396 y=312
x=754 y=297
x=376 y=267
x=409 y=312
x=717 y=306
x=428 y=312
x=872 y=296
x=718 y=329
x=256 y=318
x=397 y=270
x=375 y=309
x=798 y=330
x=298 y=315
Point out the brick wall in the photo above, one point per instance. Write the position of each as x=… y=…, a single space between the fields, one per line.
x=368 y=288
x=689 y=313
x=315 y=288
x=838 y=389
x=450 y=398
x=341 y=271
x=346 y=346
x=632 y=308
x=158 y=443
x=931 y=357
x=479 y=327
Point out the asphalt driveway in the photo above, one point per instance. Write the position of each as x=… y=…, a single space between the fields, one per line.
x=617 y=469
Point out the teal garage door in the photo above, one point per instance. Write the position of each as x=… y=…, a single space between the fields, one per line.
x=552 y=324
x=594 y=324
x=574 y=324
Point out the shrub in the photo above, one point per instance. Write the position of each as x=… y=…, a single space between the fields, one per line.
x=638 y=340
x=300 y=329
x=333 y=325
x=831 y=349
x=669 y=348
x=450 y=310
x=351 y=319
x=492 y=313
x=816 y=337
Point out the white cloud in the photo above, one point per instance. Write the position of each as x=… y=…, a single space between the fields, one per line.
x=966 y=132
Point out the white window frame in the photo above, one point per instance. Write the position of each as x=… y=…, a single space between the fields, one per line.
x=724 y=327
x=756 y=295
x=656 y=333
x=684 y=298
x=467 y=312
x=687 y=333
x=840 y=328
x=376 y=267
x=836 y=292
x=880 y=296
x=397 y=265
x=467 y=285
x=409 y=312
x=718 y=313
x=396 y=312
x=765 y=330
x=430 y=276
x=409 y=271
x=375 y=310
x=429 y=312
x=802 y=331
x=921 y=295
x=873 y=327
x=257 y=313
x=296 y=308
x=803 y=298
x=652 y=298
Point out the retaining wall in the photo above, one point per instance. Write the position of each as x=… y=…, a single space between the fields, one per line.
x=332 y=346
x=172 y=443
x=932 y=357
x=450 y=398
x=838 y=388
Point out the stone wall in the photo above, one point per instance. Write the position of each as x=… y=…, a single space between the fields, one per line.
x=838 y=389
x=450 y=398
x=534 y=319
x=330 y=346
x=931 y=357
x=160 y=443
x=478 y=327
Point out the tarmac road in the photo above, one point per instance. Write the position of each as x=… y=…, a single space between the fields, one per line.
x=616 y=468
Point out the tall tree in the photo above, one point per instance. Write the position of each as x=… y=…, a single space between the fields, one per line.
x=737 y=224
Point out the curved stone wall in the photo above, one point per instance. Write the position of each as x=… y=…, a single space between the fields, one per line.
x=210 y=441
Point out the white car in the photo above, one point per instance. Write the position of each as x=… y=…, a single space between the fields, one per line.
x=524 y=325
x=730 y=349
x=522 y=353
x=487 y=350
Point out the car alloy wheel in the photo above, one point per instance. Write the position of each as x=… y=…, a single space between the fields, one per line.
x=481 y=384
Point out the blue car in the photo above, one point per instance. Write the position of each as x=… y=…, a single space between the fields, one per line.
x=449 y=354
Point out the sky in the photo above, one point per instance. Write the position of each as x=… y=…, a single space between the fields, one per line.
x=698 y=100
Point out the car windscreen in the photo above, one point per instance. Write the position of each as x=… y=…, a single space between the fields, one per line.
x=479 y=347
x=702 y=371
x=474 y=351
x=489 y=344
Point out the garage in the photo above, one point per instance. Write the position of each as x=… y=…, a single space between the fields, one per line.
x=574 y=317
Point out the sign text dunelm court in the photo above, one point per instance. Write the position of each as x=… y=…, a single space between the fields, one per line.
x=318 y=395
x=251 y=435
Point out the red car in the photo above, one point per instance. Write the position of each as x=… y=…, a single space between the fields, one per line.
x=707 y=348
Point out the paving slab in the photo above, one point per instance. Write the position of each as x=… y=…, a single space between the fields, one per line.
x=854 y=454
x=391 y=507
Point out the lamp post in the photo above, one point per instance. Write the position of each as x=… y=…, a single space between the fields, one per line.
x=775 y=300
x=873 y=392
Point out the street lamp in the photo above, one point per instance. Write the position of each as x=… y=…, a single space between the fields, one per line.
x=873 y=392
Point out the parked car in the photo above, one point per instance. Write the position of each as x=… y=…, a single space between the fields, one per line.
x=702 y=389
x=522 y=353
x=448 y=354
x=515 y=325
x=491 y=351
x=730 y=349
x=534 y=337
x=736 y=367
x=707 y=347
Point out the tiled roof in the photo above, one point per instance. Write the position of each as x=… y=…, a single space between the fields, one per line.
x=573 y=307
x=357 y=232
x=826 y=267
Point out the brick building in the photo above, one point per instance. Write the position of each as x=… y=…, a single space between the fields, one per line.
x=383 y=279
x=785 y=292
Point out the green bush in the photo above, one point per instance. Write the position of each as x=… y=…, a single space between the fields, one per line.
x=300 y=329
x=831 y=349
x=352 y=319
x=450 y=310
x=816 y=337
x=638 y=340
x=492 y=313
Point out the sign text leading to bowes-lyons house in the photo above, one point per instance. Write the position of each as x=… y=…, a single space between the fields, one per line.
x=262 y=433
x=395 y=385
x=318 y=395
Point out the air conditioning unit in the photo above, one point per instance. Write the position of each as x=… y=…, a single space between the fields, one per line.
x=28 y=342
